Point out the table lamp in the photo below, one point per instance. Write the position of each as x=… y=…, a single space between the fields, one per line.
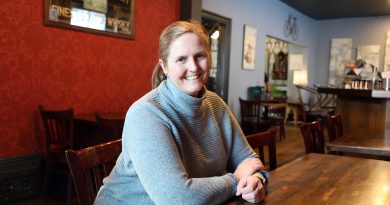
x=300 y=80
x=300 y=77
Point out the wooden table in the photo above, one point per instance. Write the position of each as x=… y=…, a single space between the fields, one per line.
x=370 y=145
x=361 y=113
x=328 y=179
x=91 y=117
x=271 y=103
x=296 y=108
x=87 y=131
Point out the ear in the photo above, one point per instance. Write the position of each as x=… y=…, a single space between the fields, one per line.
x=165 y=69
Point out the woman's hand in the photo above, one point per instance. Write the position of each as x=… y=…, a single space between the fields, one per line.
x=251 y=189
x=248 y=167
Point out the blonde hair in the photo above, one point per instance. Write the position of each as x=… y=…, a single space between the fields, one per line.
x=168 y=36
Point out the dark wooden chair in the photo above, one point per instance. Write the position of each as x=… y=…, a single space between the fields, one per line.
x=319 y=107
x=59 y=131
x=111 y=128
x=278 y=114
x=313 y=137
x=90 y=165
x=334 y=127
x=251 y=121
x=262 y=139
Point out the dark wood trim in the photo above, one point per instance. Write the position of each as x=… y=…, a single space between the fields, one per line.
x=190 y=9
x=345 y=92
x=224 y=53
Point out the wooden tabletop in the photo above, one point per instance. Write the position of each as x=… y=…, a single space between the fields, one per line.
x=328 y=179
x=273 y=103
x=91 y=117
x=360 y=93
x=88 y=132
x=371 y=145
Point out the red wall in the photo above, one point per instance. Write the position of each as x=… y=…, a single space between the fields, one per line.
x=63 y=68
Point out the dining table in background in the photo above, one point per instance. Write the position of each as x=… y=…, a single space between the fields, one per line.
x=91 y=117
x=296 y=108
x=327 y=179
x=369 y=145
x=271 y=103
x=87 y=131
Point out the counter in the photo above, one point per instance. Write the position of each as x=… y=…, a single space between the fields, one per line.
x=363 y=112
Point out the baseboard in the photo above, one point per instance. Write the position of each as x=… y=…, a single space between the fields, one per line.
x=20 y=177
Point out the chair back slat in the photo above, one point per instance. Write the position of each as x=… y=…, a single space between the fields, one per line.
x=313 y=137
x=91 y=187
x=334 y=127
x=99 y=173
x=250 y=110
x=59 y=126
x=261 y=139
x=89 y=166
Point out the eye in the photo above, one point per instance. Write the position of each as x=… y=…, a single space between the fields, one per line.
x=201 y=56
x=181 y=60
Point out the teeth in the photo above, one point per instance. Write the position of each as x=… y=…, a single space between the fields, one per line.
x=193 y=77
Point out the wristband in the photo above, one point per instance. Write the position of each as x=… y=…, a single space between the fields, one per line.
x=261 y=177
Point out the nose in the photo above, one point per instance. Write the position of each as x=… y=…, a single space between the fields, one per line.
x=192 y=65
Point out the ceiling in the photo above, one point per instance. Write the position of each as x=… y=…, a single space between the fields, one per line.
x=335 y=9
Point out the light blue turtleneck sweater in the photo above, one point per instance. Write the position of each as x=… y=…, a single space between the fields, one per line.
x=176 y=149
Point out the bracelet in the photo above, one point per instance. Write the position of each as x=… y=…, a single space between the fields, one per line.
x=261 y=177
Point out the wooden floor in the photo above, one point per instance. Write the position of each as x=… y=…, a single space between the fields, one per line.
x=290 y=148
x=287 y=150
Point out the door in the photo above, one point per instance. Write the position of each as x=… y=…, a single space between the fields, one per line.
x=219 y=29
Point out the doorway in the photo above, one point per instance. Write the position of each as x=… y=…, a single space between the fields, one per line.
x=276 y=66
x=219 y=29
x=281 y=61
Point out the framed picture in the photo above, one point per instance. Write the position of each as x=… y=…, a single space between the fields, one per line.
x=107 y=17
x=249 y=51
x=386 y=66
x=340 y=53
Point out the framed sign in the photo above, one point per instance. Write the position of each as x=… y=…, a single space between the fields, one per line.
x=249 y=51
x=106 y=17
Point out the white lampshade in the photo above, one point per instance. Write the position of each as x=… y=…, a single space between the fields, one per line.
x=300 y=77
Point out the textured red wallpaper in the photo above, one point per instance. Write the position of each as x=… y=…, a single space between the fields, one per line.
x=63 y=68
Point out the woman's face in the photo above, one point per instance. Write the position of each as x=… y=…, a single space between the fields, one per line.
x=187 y=63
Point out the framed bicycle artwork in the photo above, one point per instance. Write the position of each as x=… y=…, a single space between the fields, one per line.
x=107 y=17
x=291 y=28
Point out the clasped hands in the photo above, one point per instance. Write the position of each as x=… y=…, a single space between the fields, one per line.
x=250 y=187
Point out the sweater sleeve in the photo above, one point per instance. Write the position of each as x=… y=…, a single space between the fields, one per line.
x=148 y=141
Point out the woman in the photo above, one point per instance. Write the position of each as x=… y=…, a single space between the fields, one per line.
x=180 y=143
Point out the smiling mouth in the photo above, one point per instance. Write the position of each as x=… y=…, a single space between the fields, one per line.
x=192 y=77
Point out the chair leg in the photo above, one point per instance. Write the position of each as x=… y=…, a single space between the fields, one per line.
x=261 y=154
x=45 y=180
x=282 y=132
x=69 y=189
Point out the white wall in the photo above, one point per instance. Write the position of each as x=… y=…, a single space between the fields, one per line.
x=269 y=18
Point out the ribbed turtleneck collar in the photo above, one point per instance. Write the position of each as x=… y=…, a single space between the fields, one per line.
x=188 y=104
